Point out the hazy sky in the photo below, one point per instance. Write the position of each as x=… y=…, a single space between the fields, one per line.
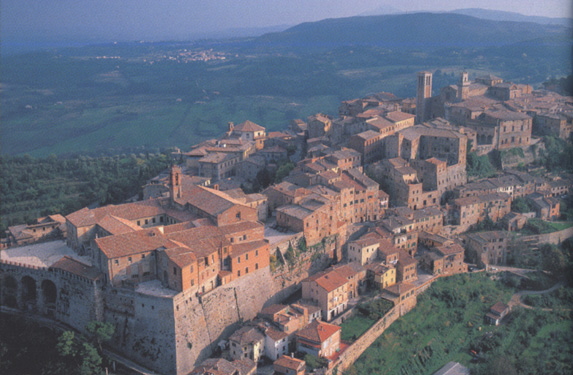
x=178 y=19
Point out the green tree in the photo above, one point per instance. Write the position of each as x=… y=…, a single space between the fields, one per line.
x=553 y=259
x=100 y=332
x=283 y=171
x=520 y=205
x=479 y=166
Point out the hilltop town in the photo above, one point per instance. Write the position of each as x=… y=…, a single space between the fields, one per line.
x=259 y=244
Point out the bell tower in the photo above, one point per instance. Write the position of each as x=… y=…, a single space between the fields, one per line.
x=464 y=87
x=423 y=94
x=175 y=182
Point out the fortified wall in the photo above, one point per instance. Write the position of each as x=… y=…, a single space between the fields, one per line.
x=161 y=329
x=55 y=293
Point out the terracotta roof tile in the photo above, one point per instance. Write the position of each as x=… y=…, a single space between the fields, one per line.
x=318 y=331
x=77 y=268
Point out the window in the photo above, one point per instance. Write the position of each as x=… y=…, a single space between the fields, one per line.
x=116 y=262
x=153 y=220
x=146 y=221
x=238 y=273
x=239 y=260
x=246 y=256
x=256 y=253
x=246 y=270
x=256 y=266
x=238 y=215
x=174 y=271
x=190 y=268
x=142 y=256
x=129 y=259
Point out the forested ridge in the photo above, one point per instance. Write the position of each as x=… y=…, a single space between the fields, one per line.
x=32 y=187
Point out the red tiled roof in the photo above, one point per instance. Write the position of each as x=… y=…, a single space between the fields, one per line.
x=126 y=244
x=318 y=331
x=329 y=280
x=290 y=363
x=129 y=211
x=248 y=126
x=77 y=268
x=239 y=249
x=211 y=201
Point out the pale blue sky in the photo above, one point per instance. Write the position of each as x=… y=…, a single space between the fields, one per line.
x=180 y=19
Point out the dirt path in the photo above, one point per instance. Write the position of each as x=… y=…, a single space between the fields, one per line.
x=516 y=298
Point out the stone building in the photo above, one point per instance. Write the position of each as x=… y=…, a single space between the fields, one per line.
x=502 y=129
x=43 y=228
x=472 y=210
x=331 y=289
x=247 y=343
x=221 y=366
x=286 y=365
x=447 y=259
x=249 y=131
x=319 y=339
x=488 y=248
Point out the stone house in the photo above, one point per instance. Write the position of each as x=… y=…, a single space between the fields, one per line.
x=380 y=275
x=286 y=365
x=330 y=290
x=218 y=165
x=363 y=250
x=488 y=248
x=472 y=210
x=318 y=125
x=406 y=268
x=447 y=259
x=545 y=208
x=503 y=129
x=247 y=343
x=315 y=216
x=277 y=342
x=319 y=339
x=556 y=124
x=48 y=227
x=249 y=131
x=401 y=294
x=221 y=366
x=496 y=313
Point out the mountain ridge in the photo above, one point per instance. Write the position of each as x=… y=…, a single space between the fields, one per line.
x=425 y=31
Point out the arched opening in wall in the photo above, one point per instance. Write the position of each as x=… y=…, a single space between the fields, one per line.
x=9 y=288
x=29 y=293
x=49 y=295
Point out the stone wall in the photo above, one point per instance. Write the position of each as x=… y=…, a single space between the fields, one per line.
x=354 y=351
x=144 y=328
x=169 y=334
x=54 y=293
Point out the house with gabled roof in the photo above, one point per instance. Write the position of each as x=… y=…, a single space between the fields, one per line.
x=286 y=365
x=496 y=313
x=247 y=342
x=220 y=366
x=248 y=131
x=319 y=338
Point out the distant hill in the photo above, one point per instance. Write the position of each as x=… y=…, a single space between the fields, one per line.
x=497 y=15
x=423 y=31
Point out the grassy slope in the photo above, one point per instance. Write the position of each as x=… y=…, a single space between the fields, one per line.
x=448 y=319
